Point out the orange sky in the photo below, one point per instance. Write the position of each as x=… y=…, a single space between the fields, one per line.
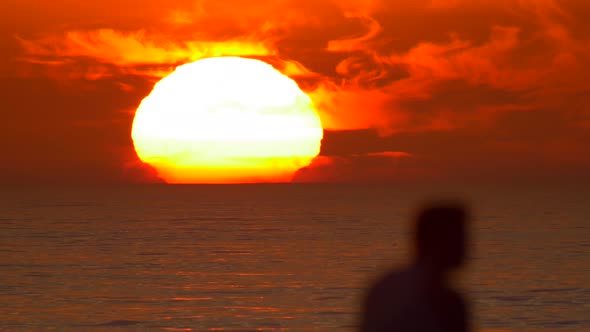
x=407 y=90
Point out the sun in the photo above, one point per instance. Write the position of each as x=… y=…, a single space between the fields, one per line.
x=226 y=120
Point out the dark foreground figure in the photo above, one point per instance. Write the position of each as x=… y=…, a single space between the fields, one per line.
x=419 y=298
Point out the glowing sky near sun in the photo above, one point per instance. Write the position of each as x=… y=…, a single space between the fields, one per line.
x=405 y=90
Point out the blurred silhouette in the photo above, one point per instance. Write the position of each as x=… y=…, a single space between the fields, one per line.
x=419 y=297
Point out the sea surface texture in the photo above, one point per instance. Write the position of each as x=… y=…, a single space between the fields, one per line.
x=291 y=257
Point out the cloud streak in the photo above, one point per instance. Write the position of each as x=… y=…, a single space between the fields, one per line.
x=139 y=48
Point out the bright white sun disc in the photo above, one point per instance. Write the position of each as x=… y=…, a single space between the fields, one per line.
x=226 y=120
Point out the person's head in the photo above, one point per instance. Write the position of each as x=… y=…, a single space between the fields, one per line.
x=440 y=235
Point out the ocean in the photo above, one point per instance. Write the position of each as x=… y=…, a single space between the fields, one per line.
x=277 y=257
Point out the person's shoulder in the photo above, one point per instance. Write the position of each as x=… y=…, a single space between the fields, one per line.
x=455 y=295
x=391 y=281
x=384 y=295
x=454 y=299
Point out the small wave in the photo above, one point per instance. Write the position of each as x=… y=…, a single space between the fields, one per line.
x=148 y=253
x=512 y=298
x=328 y=298
x=557 y=324
x=332 y=313
x=553 y=290
x=121 y=322
x=38 y=274
x=232 y=252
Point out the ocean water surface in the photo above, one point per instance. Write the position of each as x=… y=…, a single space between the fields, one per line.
x=289 y=257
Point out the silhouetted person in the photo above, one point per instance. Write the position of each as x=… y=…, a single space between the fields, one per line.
x=419 y=298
